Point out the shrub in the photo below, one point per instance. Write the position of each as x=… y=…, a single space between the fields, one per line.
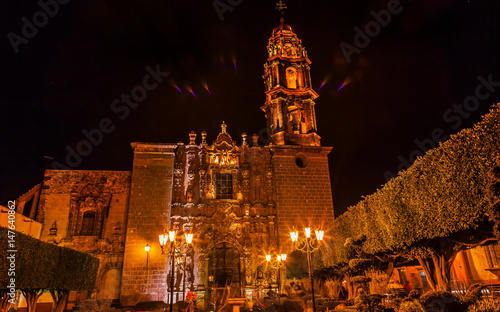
x=292 y=306
x=474 y=294
x=441 y=301
x=485 y=305
x=410 y=306
x=361 y=279
x=41 y=265
x=414 y=294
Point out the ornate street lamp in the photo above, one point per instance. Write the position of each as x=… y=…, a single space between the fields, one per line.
x=175 y=247
x=308 y=246
x=279 y=262
x=146 y=249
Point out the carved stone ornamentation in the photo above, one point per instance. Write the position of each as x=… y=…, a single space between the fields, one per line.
x=248 y=268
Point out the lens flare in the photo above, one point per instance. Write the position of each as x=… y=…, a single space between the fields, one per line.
x=190 y=90
x=345 y=83
x=221 y=59
x=206 y=87
x=173 y=84
x=234 y=62
x=325 y=80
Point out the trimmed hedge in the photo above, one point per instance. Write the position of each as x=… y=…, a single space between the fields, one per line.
x=442 y=193
x=41 y=265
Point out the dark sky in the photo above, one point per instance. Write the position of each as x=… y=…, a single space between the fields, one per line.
x=399 y=85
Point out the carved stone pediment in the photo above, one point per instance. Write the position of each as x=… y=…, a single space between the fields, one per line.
x=224 y=142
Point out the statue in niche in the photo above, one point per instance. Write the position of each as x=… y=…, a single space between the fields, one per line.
x=248 y=269
x=257 y=186
x=247 y=241
x=177 y=279
x=190 y=196
x=201 y=268
x=290 y=50
x=274 y=275
x=291 y=78
x=238 y=231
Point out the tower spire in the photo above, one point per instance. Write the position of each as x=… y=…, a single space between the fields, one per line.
x=289 y=107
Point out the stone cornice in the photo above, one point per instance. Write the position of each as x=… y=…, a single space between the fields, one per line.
x=292 y=150
x=298 y=91
x=161 y=148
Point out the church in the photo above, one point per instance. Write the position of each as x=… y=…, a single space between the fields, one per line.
x=237 y=198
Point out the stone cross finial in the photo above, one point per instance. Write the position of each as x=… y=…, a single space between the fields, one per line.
x=255 y=139
x=192 y=138
x=280 y=6
x=204 y=137
x=244 y=136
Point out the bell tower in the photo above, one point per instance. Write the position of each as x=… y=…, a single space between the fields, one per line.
x=289 y=107
x=301 y=179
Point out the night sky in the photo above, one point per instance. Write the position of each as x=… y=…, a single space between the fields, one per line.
x=399 y=85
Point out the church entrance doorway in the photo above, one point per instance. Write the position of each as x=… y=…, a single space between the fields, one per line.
x=224 y=273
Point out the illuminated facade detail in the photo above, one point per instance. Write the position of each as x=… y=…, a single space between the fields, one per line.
x=238 y=199
x=289 y=106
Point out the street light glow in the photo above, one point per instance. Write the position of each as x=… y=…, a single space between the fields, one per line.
x=308 y=232
x=294 y=235
x=189 y=238
x=163 y=239
x=171 y=235
x=319 y=235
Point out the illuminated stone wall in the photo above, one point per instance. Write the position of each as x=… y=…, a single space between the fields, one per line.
x=303 y=191
x=144 y=279
x=66 y=196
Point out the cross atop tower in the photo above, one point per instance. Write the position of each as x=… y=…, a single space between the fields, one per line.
x=280 y=6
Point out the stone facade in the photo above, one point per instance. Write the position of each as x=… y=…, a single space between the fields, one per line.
x=87 y=211
x=239 y=201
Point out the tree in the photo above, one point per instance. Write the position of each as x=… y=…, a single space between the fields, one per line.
x=494 y=197
x=435 y=208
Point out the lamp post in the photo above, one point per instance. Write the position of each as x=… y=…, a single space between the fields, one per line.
x=279 y=262
x=175 y=246
x=146 y=249
x=308 y=246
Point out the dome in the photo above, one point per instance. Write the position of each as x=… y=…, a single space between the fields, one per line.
x=282 y=26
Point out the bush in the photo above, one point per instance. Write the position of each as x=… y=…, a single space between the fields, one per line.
x=292 y=306
x=41 y=265
x=441 y=301
x=410 y=306
x=474 y=294
x=485 y=305
x=414 y=294
x=365 y=303
x=361 y=279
